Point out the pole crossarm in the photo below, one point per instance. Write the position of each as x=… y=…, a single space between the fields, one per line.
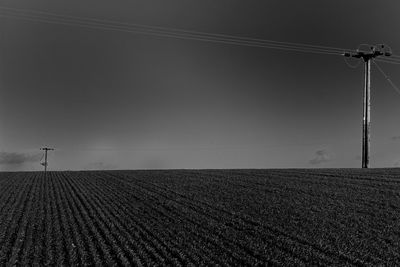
x=367 y=56
x=375 y=51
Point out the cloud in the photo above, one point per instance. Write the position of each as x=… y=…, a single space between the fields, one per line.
x=396 y=138
x=397 y=164
x=321 y=156
x=14 y=158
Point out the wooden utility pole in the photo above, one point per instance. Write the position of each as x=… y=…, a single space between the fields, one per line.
x=374 y=52
x=45 y=157
x=366 y=138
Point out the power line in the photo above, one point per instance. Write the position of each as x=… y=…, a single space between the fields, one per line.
x=112 y=25
x=118 y=23
x=172 y=30
x=180 y=36
x=387 y=77
x=350 y=65
x=195 y=148
x=390 y=61
x=191 y=38
x=174 y=33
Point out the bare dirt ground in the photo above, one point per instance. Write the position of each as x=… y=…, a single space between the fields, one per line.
x=201 y=217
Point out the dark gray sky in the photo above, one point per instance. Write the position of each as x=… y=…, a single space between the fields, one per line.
x=108 y=99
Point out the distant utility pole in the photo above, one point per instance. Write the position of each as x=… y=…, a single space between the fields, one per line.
x=45 y=157
x=375 y=51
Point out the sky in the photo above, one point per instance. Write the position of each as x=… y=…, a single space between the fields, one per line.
x=117 y=100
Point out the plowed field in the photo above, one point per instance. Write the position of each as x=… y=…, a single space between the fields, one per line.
x=201 y=217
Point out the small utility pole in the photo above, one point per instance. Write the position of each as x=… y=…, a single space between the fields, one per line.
x=374 y=52
x=45 y=157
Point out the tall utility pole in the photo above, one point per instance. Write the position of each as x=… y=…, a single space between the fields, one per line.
x=367 y=56
x=45 y=157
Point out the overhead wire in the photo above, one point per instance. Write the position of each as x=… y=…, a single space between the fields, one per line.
x=181 y=36
x=168 y=32
x=200 y=38
x=244 y=147
x=385 y=60
x=389 y=59
x=51 y=17
x=111 y=25
x=346 y=60
x=196 y=38
x=119 y=23
x=387 y=77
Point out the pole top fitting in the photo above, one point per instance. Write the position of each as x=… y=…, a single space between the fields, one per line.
x=370 y=51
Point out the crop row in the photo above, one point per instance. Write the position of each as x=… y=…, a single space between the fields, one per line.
x=200 y=217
